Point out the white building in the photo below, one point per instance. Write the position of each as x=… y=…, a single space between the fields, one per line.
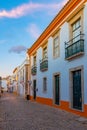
x=10 y=83
x=58 y=60
x=23 y=78
x=4 y=84
x=15 y=80
x=0 y=85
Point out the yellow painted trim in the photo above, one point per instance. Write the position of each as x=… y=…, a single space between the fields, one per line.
x=69 y=7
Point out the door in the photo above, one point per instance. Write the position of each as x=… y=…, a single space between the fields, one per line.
x=34 y=89
x=57 y=89
x=77 y=95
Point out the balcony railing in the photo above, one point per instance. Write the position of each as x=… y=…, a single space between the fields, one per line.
x=44 y=64
x=34 y=70
x=74 y=47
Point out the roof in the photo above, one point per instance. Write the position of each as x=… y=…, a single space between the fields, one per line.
x=69 y=6
x=14 y=70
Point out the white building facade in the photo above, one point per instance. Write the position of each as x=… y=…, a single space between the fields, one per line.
x=58 y=61
x=23 y=78
x=0 y=85
x=4 y=84
x=15 y=80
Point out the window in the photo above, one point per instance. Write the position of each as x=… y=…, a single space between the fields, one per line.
x=44 y=84
x=76 y=29
x=56 y=47
x=23 y=74
x=45 y=52
x=34 y=60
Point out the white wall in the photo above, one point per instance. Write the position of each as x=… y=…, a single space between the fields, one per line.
x=4 y=84
x=61 y=65
x=85 y=66
x=22 y=78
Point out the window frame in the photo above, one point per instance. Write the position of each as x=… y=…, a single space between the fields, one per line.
x=44 y=84
x=45 y=52
x=75 y=24
x=75 y=17
x=56 y=49
x=34 y=60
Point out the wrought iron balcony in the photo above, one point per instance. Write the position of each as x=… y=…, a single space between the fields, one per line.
x=34 y=70
x=44 y=64
x=74 y=47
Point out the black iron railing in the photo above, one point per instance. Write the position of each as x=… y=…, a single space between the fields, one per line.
x=74 y=47
x=34 y=70
x=44 y=64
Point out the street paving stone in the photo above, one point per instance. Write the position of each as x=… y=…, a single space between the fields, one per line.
x=17 y=113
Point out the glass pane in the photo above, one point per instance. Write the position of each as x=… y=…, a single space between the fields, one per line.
x=56 y=42
x=73 y=26
x=45 y=52
x=34 y=60
x=56 y=46
x=76 y=35
x=45 y=84
x=77 y=23
x=56 y=52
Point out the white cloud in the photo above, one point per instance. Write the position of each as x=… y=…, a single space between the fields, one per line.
x=34 y=31
x=18 y=49
x=29 y=8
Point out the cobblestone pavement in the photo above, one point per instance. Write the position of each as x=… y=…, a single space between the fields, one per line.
x=17 y=113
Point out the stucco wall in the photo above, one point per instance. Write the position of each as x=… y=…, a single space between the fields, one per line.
x=60 y=65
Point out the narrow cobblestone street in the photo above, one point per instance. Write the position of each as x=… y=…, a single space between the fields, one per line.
x=17 y=113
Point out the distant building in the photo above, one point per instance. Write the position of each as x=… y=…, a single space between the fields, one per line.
x=22 y=78
x=15 y=80
x=4 y=84
x=10 y=83
x=0 y=84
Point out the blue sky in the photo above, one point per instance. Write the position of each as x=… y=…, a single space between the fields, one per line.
x=21 y=23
